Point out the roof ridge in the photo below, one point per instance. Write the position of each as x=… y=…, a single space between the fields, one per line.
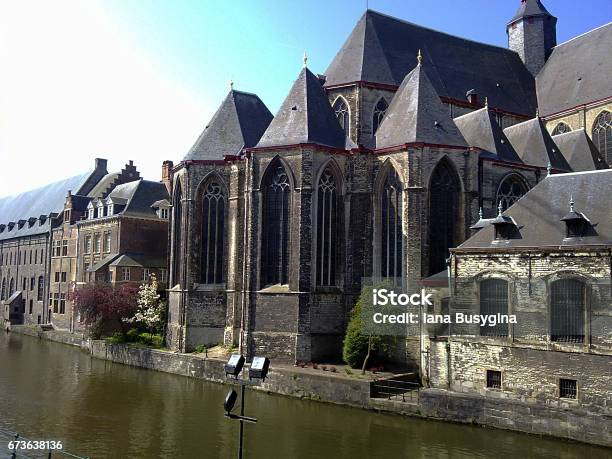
x=583 y=34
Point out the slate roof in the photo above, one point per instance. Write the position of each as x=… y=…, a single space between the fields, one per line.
x=580 y=151
x=238 y=123
x=416 y=114
x=305 y=116
x=539 y=212
x=530 y=8
x=480 y=129
x=534 y=145
x=381 y=49
x=577 y=72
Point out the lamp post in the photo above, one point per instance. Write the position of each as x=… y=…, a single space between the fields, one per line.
x=258 y=371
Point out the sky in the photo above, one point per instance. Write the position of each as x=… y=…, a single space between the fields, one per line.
x=139 y=79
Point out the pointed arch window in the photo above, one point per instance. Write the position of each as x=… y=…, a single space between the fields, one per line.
x=561 y=128
x=494 y=300
x=391 y=226
x=602 y=134
x=379 y=113
x=213 y=234
x=342 y=112
x=327 y=228
x=511 y=189
x=11 y=287
x=3 y=292
x=567 y=306
x=275 y=230
x=177 y=217
x=444 y=208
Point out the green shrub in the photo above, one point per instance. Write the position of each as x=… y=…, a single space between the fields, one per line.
x=132 y=335
x=200 y=349
x=115 y=338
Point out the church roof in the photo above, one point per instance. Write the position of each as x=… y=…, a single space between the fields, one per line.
x=577 y=72
x=580 y=152
x=534 y=145
x=481 y=130
x=381 y=49
x=416 y=114
x=238 y=123
x=530 y=8
x=538 y=214
x=305 y=116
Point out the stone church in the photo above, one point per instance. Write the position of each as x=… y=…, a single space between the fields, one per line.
x=373 y=169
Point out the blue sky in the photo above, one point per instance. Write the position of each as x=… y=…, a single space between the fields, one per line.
x=129 y=79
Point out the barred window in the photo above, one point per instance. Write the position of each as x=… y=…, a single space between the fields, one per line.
x=511 y=189
x=444 y=208
x=342 y=113
x=568 y=388
x=379 y=113
x=327 y=228
x=391 y=226
x=494 y=300
x=494 y=379
x=275 y=231
x=177 y=216
x=567 y=306
x=602 y=134
x=561 y=128
x=41 y=288
x=213 y=234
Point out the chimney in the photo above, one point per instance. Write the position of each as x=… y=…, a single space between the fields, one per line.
x=101 y=165
x=472 y=97
x=167 y=175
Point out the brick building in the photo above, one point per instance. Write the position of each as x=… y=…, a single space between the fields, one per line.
x=374 y=169
x=547 y=261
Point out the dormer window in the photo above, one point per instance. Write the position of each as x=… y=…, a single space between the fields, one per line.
x=505 y=227
x=110 y=210
x=91 y=214
x=164 y=213
x=576 y=224
x=20 y=223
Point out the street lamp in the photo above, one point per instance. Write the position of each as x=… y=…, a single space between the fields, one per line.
x=258 y=371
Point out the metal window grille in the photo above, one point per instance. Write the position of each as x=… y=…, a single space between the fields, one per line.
x=379 y=113
x=444 y=204
x=342 y=113
x=494 y=300
x=391 y=215
x=275 y=232
x=602 y=134
x=568 y=388
x=567 y=306
x=213 y=234
x=561 y=128
x=494 y=379
x=327 y=229
x=510 y=190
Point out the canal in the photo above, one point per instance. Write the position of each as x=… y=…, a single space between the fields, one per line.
x=50 y=391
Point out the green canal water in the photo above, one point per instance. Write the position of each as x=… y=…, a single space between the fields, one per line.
x=50 y=391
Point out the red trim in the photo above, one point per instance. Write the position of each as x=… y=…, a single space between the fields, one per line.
x=303 y=145
x=567 y=110
x=405 y=146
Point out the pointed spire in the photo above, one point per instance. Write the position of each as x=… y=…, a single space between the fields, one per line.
x=305 y=59
x=571 y=203
x=231 y=84
x=537 y=112
x=500 y=209
x=480 y=213
x=419 y=58
x=486 y=102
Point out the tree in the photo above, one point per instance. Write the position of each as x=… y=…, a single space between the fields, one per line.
x=103 y=306
x=150 y=309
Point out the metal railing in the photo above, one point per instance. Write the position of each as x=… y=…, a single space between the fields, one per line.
x=14 y=445
x=395 y=389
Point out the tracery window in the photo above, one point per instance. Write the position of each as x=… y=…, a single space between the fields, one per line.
x=510 y=190
x=327 y=228
x=3 y=292
x=494 y=300
x=567 y=306
x=342 y=113
x=275 y=230
x=391 y=226
x=602 y=134
x=444 y=211
x=177 y=231
x=379 y=113
x=11 y=287
x=561 y=128
x=213 y=234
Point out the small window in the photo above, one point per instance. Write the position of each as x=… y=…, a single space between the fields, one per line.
x=146 y=274
x=64 y=276
x=62 y=303
x=88 y=244
x=561 y=128
x=107 y=242
x=494 y=379
x=57 y=276
x=568 y=388
x=97 y=243
x=163 y=274
x=125 y=274
x=64 y=248
x=164 y=213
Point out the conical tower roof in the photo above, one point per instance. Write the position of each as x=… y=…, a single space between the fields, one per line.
x=416 y=114
x=530 y=8
x=305 y=116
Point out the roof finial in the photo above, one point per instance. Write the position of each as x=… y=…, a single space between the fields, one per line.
x=231 y=84
x=548 y=169
x=480 y=213
x=500 y=209
x=537 y=112
x=571 y=203
x=419 y=58
x=486 y=102
x=305 y=58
